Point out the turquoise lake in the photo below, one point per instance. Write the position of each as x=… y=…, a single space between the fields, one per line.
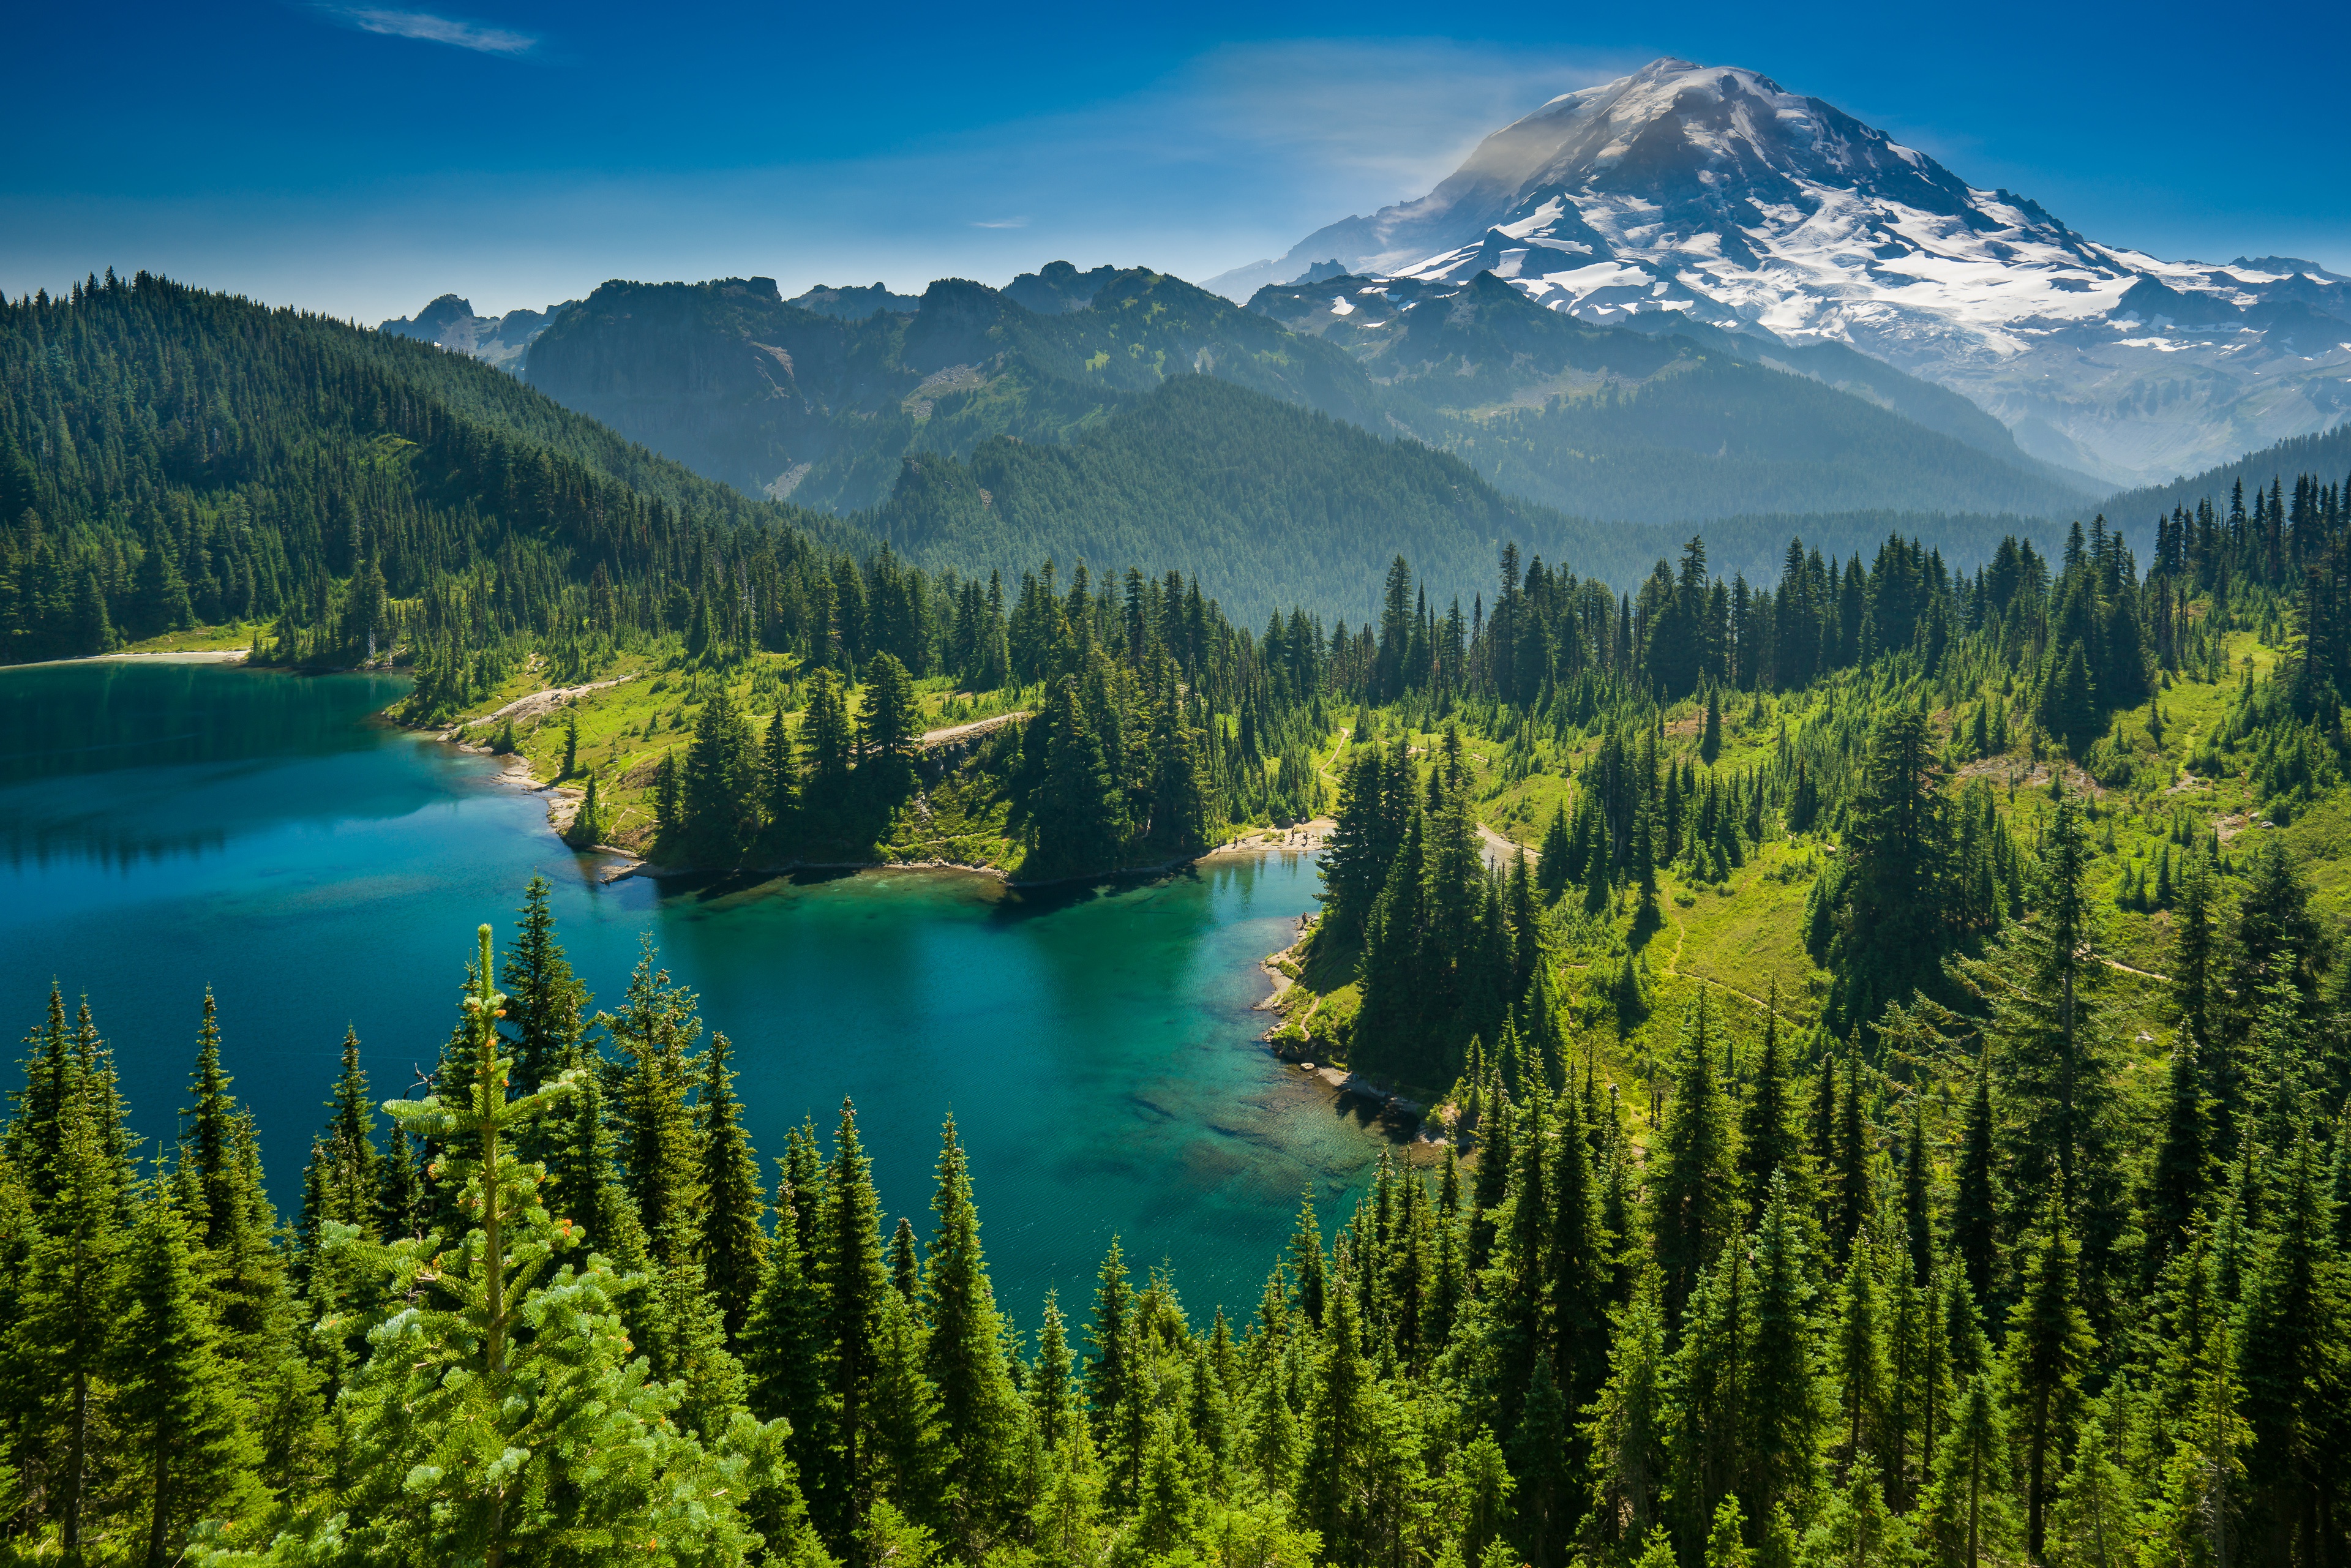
x=168 y=825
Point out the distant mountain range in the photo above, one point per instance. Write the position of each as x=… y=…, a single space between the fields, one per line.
x=819 y=398
x=1711 y=195
x=1687 y=299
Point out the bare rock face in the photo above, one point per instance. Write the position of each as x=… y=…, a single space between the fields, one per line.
x=501 y=341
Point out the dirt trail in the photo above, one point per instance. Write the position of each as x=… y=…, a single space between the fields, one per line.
x=538 y=704
x=933 y=740
x=1501 y=851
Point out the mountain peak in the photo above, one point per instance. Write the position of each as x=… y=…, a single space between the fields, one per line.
x=1712 y=195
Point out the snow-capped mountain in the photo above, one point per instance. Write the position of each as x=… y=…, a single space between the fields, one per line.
x=1714 y=195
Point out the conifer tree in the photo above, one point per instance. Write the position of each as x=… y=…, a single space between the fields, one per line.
x=1053 y=1402
x=207 y=1148
x=1725 y=1544
x=583 y=1178
x=477 y=1439
x=784 y=1359
x=1552 y=875
x=655 y=1030
x=1918 y=1208
x=963 y=1358
x=400 y=1195
x=905 y=1267
x=1627 y=1426
x=1579 y=1258
x=1306 y=1264
x=2198 y=1514
x=732 y=1246
x=1694 y=1197
x=2294 y=1379
x=2044 y=987
x=1542 y=1452
x=1856 y=1193
x=779 y=776
x=1342 y=1427
x=1642 y=870
x=804 y=1180
x=2049 y=1345
x=669 y=799
x=2194 y=938
x=825 y=739
x=1859 y=1363
x=685 y=1341
x=1965 y=1513
x=592 y=824
x=852 y=1283
x=547 y=997
x=1079 y=820
x=188 y=1433
x=1891 y=888
x=2175 y=1181
x=1975 y=1215
x=350 y=1198
x=718 y=789
x=1110 y=1370
x=63 y=1334
x=1783 y=1399
x=1707 y=1388
x=889 y=722
x=2094 y=1508
x=906 y=1453
x=1767 y=1130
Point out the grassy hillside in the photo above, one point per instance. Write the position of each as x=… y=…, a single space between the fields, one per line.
x=1742 y=938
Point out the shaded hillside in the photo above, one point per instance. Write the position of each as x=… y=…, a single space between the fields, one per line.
x=1266 y=503
x=2326 y=455
x=1712 y=436
x=771 y=398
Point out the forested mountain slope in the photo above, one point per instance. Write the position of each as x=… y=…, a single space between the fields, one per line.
x=1269 y=506
x=169 y=456
x=2325 y=455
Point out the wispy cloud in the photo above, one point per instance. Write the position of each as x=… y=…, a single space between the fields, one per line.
x=478 y=37
x=1401 y=110
x=999 y=223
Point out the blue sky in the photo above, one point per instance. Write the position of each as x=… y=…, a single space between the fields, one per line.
x=361 y=158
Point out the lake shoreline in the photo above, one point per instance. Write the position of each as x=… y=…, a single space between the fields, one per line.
x=1304 y=838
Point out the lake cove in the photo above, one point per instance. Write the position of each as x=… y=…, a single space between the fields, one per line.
x=164 y=826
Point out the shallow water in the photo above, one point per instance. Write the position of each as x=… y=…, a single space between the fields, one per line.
x=167 y=826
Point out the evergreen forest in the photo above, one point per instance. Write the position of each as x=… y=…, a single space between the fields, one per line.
x=1880 y=1038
